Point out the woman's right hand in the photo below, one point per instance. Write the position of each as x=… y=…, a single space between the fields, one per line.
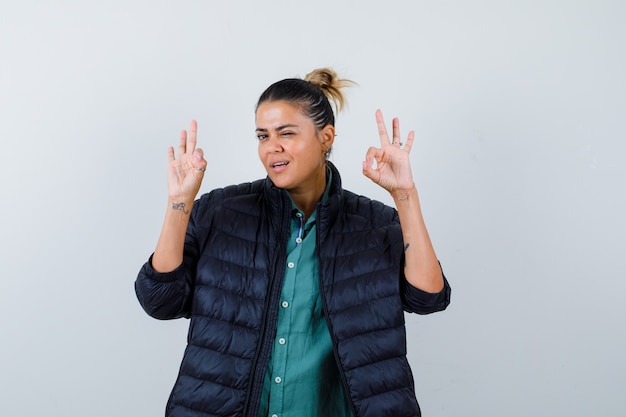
x=184 y=176
x=185 y=173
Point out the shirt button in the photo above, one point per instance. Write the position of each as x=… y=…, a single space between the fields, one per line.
x=291 y=264
x=298 y=214
x=282 y=341
x=298 y=240
x=274 y=415
x=285 y=304
x=278 y=380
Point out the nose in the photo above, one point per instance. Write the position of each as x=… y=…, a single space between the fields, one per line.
x=273 y=144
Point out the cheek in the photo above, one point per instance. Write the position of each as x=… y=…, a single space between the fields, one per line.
x=260 y=153
x=315 y=148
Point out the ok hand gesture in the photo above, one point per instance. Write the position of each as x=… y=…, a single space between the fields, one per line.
x=389 y=165
x=185 y=173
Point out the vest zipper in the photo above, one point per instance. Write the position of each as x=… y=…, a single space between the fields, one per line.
x=344 y=381
x=262 y=355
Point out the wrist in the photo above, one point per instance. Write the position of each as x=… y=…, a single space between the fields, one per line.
x=402 y=194
x=180 y=204
x=179 y=199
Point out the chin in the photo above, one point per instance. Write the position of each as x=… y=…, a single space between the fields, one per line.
x=280 y=183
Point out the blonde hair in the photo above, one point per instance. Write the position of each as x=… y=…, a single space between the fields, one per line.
x=331 y=85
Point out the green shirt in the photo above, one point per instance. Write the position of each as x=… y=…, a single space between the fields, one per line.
x=302 y=379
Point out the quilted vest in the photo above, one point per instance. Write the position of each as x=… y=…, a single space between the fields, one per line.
x=229 y=286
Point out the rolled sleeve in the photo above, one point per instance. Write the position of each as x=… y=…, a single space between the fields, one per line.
x=422 y=302
x=163 y=295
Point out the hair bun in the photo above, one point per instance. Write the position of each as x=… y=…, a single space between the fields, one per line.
x=327 y=80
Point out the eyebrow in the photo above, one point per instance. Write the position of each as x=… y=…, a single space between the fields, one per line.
x=260 y=129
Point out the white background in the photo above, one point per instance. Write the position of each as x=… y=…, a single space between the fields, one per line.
x=519 y=109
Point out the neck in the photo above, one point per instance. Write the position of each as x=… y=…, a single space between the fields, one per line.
x=306 y=199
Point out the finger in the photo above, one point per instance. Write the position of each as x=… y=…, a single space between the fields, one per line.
x=182 y=143
x=198 y=161
x=369 y=171
x=382 y=130
x=170 y=154
x=409 y=142
x=395 y=126
x=192 y=137
x=371 y=164
x=372 y=160
x=372 y=153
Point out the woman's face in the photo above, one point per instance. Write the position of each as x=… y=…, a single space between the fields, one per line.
x=290 y=148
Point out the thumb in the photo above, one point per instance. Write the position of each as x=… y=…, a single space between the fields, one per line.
x=369 y=171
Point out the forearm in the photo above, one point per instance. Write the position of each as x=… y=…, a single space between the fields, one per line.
x=422 y=268
x=168 y=254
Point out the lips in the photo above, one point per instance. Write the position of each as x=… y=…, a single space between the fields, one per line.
x=279 y=164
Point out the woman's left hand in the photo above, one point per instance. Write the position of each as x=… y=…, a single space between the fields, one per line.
x=389 y=166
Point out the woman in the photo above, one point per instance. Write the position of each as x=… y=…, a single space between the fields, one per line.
x=295 y=287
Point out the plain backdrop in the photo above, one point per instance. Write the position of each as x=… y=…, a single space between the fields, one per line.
x=519 y=109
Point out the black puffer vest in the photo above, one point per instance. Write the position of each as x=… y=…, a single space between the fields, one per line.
x=230 y=283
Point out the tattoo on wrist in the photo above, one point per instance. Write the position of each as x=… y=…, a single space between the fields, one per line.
x=180 y=207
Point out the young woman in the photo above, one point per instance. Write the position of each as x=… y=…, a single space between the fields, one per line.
x=296 y=288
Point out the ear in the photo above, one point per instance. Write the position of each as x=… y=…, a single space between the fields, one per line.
x=327 y=137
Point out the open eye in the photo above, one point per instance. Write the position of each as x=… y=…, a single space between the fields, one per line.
x=261 y=136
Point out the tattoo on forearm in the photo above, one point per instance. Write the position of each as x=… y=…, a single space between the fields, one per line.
x=180 y=207
x=406 y=246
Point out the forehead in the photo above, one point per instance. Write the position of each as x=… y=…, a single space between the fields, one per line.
x=275 y=113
